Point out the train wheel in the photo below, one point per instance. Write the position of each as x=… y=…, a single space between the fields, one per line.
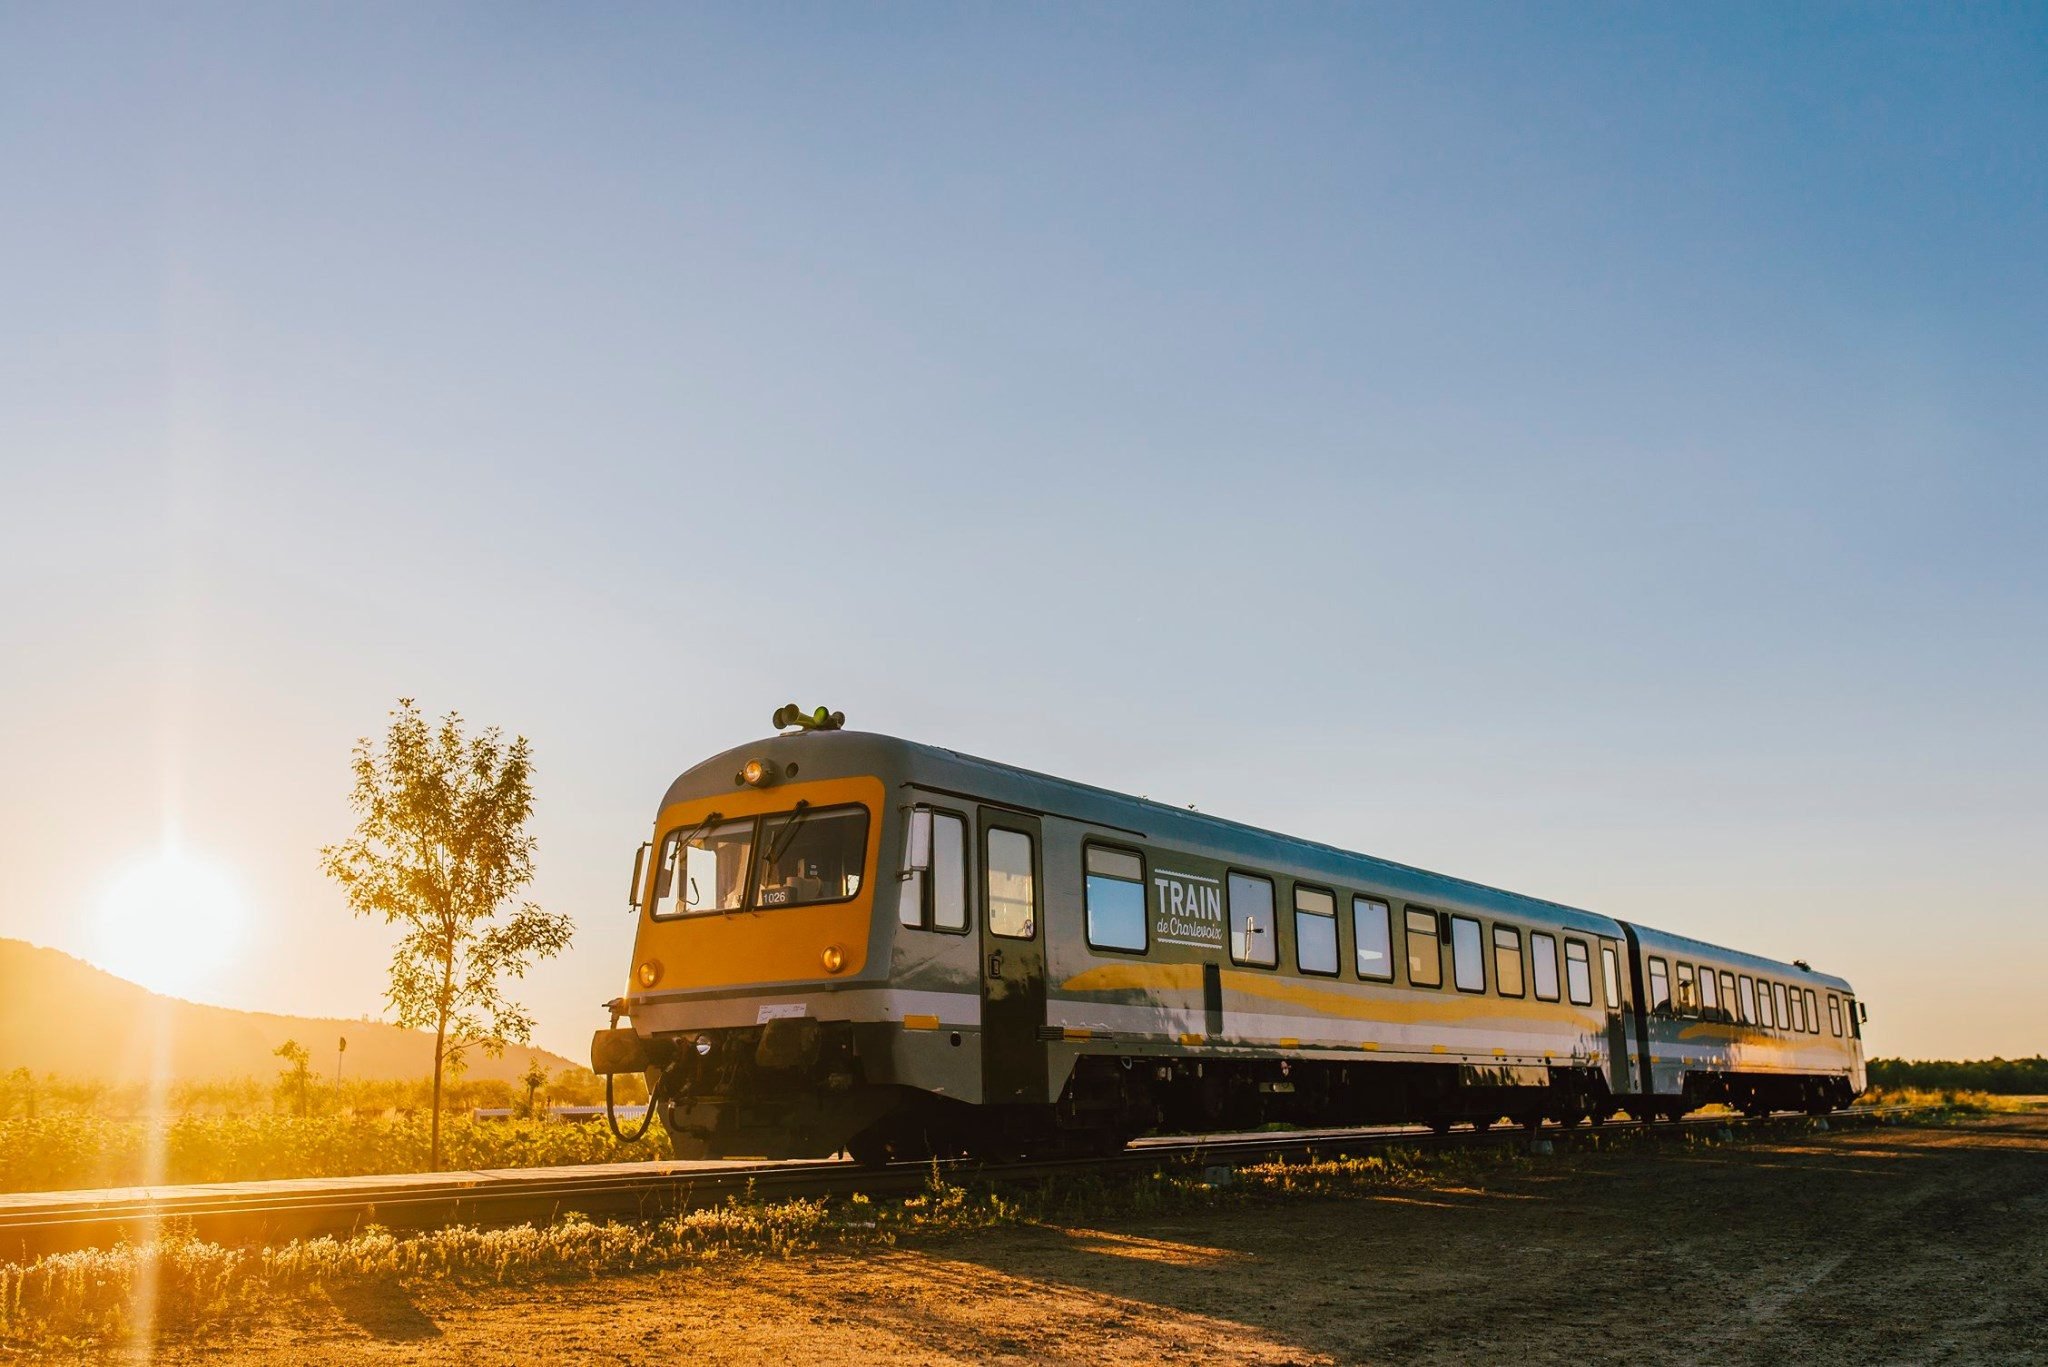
x=1483 y=1125
x=870 y=1148
x=1439 y=1125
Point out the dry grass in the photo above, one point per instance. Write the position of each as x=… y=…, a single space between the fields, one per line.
x=1949 y=1101
x=53 y=1153
x=183 y=1284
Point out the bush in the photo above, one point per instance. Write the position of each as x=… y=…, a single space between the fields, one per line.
x=1998 y=1076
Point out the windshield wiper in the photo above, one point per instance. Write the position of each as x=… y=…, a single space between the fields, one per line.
x=796 y=822
x=683 y=853
x=697 y=830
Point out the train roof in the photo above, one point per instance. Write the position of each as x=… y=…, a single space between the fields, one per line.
x=932 y=766
x=1663 y=941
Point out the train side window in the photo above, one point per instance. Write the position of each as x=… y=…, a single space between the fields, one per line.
x=1798 y=1011
x=1543 y=964
x=1687 y=1001
x=1812 y=1013
x=1578 y=973
x=1763 y=1004
x=1748 y=1001
x=1468 y=966
x=1610 y=971
x=1778 y=1016
x=1425 y=951
x=1012 y=884
x=935 y=898
x=1372 y=933
x=1252 y=937
x=1727 y=996
x=1113 y=891
x=1507 y=961
x=1660 y=985
x=1315 y=931
x=667 y=880
x=1710 y=994
x=1835 y=1014
x=949 y=872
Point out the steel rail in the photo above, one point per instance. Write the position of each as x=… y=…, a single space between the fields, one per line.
x=37 y=1223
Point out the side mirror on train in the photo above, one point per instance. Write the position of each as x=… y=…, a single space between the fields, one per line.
x=1864 y=1012
x=639 y=867
x=917 y=857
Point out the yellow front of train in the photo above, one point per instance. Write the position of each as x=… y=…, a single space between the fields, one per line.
x=751 y=973
x=759 y=886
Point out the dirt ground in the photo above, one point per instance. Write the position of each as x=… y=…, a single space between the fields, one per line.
x=1902 y=1244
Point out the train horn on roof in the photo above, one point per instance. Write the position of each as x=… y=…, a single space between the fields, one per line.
x=789 y=714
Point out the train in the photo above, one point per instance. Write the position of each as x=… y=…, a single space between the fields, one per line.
x=853 y=943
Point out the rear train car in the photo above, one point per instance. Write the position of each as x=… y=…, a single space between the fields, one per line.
x=853 y=942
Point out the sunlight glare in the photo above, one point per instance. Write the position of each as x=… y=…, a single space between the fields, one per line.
x=170 y=921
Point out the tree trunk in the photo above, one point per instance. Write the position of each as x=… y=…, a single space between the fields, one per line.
x=434 y=1146
x=440 y=1049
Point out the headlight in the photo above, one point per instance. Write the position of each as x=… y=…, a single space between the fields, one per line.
x=834 y=957
x=649 y=972
x=758 y=773
x=702 y=1044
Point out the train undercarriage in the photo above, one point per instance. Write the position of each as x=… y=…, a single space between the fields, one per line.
x=802 y=1091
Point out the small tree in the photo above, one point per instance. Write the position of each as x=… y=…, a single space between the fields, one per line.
x=440 y=848
x=535 y=1077
x=296 y=1073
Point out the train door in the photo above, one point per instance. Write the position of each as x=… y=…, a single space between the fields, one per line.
x=1013 y=1064
x=1621 y=1052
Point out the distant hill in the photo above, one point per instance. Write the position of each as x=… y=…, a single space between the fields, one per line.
x=61 y=1015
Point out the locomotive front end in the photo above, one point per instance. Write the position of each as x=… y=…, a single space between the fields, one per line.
x=757 y=956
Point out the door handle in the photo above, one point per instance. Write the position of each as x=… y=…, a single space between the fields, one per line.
x=995 y=964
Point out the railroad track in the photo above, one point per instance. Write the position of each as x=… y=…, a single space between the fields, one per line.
x=35 y=1223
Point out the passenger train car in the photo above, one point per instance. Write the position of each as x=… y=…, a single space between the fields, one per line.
x=850 y=942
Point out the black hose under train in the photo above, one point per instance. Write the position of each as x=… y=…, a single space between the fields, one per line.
x=611 y=1114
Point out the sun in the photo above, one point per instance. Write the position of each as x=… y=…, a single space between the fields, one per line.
x=171 y=921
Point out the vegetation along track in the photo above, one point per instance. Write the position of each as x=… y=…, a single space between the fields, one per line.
x=264 y=1212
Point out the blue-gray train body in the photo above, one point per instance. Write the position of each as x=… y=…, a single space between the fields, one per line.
x=853 y=942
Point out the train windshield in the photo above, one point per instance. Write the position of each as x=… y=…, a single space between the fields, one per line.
x=811 y=855
x=703 y=869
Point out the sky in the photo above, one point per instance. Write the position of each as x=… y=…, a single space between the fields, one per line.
x=1595 y=450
